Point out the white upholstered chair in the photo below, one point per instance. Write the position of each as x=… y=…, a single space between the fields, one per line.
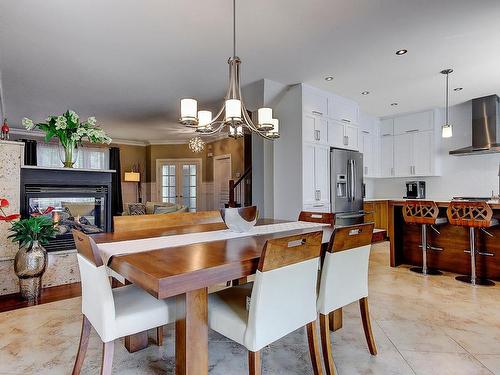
x=113 y=313
x=280 y=300
x=344 y=279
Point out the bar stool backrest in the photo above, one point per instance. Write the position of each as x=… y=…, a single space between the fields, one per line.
x=284 y=291
x=344 y=275
x=97 y=297
x=469 y=214
x=420 y=212
x=317 y=217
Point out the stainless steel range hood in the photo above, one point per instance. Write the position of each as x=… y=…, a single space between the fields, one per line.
x=485 y=127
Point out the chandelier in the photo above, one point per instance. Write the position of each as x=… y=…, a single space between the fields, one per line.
x=196 y=144
x=233 y=115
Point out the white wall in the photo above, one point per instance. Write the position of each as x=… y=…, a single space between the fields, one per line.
x=469 y=175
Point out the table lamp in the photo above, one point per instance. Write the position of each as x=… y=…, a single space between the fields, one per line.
x=135 y=177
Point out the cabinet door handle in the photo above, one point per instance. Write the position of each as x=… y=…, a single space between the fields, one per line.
x=365 y=132
x=386 y=135
x=317 y=113
x=345 y=120
x=412 y=131
x=318 y=205
x=317 y=195
x=317 y=135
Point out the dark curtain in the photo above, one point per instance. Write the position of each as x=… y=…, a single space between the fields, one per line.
x=29 y=151
x=116 y=185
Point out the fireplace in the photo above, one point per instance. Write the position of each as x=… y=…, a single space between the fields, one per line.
x=73 y=198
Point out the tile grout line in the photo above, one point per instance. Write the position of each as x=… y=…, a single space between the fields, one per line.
x=397 y=349
x=470 y=353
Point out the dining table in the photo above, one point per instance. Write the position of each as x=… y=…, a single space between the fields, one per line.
x=186 y=272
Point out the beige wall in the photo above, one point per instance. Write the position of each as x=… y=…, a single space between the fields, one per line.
x=220 y=147
x=131 y=156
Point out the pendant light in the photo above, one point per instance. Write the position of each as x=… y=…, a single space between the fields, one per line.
x=447 y=129
x=233 y=115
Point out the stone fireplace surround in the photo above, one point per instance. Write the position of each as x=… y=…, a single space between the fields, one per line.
x=62 y=268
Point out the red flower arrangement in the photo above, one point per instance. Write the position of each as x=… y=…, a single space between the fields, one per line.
x=3 y=217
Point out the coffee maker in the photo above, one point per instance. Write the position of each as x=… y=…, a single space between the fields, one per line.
x=415 y=190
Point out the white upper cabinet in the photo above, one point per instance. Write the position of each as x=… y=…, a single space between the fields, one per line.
x=336 y=134
x=386 y=127
x=343 y=109
x=351 y=137
x=387 y=156
x=420 y=121
x=314 y=101
x=314 y=129
x=403 y=160
x=423 y=154
x=316 y=177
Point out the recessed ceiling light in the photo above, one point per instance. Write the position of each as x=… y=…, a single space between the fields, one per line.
x=400 y=52
x=458 y=89
x=328 y=78
x=365 y=92
x=394 y=104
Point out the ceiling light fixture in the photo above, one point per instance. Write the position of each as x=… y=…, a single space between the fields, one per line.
x=458 y=89
x=446 y=129
x=365 y=92
x=400 y=52
x=233 y=114
x=329 y=78
x=196 y=144
x=394 y=104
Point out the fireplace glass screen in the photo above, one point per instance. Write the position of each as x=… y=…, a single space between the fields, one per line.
x=86 y=214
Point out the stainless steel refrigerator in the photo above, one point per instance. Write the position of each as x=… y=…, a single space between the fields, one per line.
x=346 y=186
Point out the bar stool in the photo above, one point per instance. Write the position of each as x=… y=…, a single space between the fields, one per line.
x=473 y=215
x=424 y=213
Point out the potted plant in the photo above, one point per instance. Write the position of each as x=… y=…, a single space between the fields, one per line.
x=31 y=259
x=71 y=133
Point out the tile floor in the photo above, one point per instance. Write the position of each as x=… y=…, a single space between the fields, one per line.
x=432 y=325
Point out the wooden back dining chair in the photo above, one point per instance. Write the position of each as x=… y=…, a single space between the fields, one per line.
x=280 y=300
x=113 y=312
x=129 y=223
x=344 y=279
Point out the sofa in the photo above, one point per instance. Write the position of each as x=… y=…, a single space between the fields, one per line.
x=150 y=208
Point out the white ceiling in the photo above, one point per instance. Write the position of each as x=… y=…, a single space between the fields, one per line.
x=128 y=62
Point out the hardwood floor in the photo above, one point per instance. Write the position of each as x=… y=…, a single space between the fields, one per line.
x=56 y=293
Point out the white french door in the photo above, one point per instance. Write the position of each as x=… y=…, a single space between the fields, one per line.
x=179 y=181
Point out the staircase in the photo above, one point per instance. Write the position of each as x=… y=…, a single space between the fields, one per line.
x=240 y=191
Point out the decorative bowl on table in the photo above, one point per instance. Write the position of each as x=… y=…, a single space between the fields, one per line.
x=240 y=219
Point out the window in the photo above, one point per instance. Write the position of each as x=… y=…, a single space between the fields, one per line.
x=88 y=157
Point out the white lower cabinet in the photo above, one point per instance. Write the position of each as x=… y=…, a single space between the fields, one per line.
x=316 y=177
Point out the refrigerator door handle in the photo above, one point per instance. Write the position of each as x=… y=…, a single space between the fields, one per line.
x=349 y=181
x=353 y=177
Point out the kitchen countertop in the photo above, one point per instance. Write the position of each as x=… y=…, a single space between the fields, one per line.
x=440 y=202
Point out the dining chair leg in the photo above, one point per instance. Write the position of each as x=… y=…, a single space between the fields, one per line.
x=326 y=344
x=159 y=336
x=108 y=349
x=312 y=338
x=254 y=365
x=82 y=347
x=367 y=326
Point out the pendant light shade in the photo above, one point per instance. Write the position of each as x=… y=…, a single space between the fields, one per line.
x=274 y=132
x=265 y=116
x=233 y=110
x=446 y=129
x=204 y=120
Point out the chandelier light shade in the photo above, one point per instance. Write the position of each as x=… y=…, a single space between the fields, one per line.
x=446 y=129
x=233 y=115
x=188 y=112
x=196 y=144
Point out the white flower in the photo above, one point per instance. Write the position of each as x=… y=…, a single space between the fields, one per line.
x=73 y=116
x=48 y=119
x=61 y=122
x=75 y=137
x=28 y=124
x=91 y=121
x=107 y=139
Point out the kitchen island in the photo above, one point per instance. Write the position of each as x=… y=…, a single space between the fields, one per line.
x=405 y=241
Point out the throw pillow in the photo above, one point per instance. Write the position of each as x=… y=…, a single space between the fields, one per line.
x=165 y=209
x=137 y=209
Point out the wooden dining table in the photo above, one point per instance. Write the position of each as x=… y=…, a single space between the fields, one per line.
x=186 y=272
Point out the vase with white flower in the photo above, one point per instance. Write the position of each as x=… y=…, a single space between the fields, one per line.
x=71 y=132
